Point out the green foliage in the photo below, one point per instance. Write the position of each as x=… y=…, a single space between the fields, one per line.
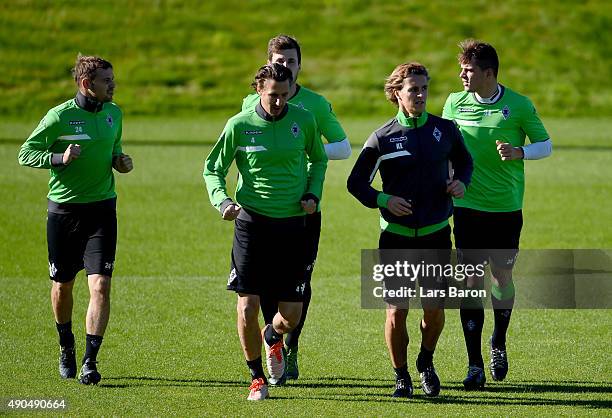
x=191 y=58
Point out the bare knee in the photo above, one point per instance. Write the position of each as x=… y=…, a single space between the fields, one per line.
x=247 y=309
x=63 y=289
x=396 y=316
x=291 y=312
x=433 y=317
x=99 y=286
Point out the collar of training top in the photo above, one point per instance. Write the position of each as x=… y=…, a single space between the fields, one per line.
x=266 y=116
x=410 y=122
x=89 y=104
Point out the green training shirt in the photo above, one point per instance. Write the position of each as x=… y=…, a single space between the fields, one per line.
x=318 y=105
x=497 y=186
x=89 y=178
x=279 y=161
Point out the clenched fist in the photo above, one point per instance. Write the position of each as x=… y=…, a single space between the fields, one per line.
x=72 y=153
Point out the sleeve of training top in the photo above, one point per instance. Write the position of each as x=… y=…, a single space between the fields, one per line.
x=317 y=161
x=532 y=124
x=463 y=164
x=362 y=175
x=217 y=165
x=249 y=101
x=117 y=148
x=447 y=111
x=337 y=146
x=35 y=151
x=328 y=122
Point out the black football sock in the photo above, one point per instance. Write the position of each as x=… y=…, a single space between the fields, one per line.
x=502 y=321
x=271 y=336
x=293 y=337
x=256 y=369
x=425 y=359
x=92 y=345
x=472 y=321
x=401 y=372
x=269 y=308
x=66 y=337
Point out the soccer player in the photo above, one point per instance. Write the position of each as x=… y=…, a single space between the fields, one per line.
x=282 y=163
x=412 y=152
x=79 y=141
x=285 y=50
x=494 y=121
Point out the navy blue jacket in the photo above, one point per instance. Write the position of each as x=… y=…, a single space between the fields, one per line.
x=412 y=158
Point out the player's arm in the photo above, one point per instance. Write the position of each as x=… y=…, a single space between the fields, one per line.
x=462 y=163
x=249 y=101
x=316 y=167
x=35 y=151
x=121 y=162
x=338 y=146
x=359 y=183
x=541 y=144
x=447 y=110
x=216 y=167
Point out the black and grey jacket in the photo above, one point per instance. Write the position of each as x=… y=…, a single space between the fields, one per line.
x=412 y=155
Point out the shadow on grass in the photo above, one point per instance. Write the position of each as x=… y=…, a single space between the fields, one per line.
x=518 y=392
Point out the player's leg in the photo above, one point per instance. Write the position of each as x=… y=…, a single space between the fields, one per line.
x=435 y=255
x=247 y=324
x=313 y=234
x=396 y=332
x=269 y=308
x=245 y=280
x=65 y=250
x=502 y=289
x=468 y=231
x=99 y=260
x=396 y=338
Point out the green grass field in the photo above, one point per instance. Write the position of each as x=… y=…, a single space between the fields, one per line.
x=171 y=347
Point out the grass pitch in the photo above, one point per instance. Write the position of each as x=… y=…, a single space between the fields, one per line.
x=171 y=345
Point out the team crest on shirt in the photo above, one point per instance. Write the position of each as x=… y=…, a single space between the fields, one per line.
x=295 y=130
x=437 y=134
x=506 y=112
x=109 y=120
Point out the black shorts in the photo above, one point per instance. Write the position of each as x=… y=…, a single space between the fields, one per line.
x=268 y=257
x=81 y=235
x=483 y=236
x=313 y=234
x=429 y=250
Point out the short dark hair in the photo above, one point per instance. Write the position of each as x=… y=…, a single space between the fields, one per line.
x=483 y=54
x=280 y=42
x=274 y=72
x=87 y=65
x=395 y=81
